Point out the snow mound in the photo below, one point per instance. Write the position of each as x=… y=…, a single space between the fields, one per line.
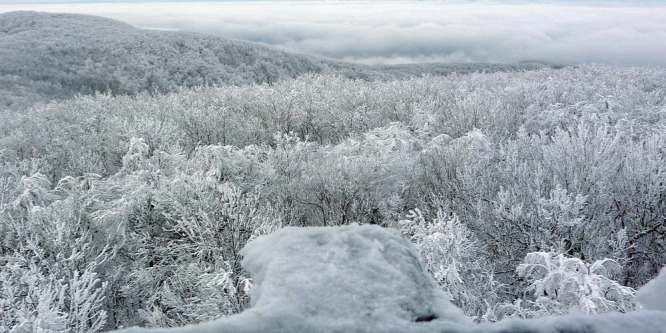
x=653 y=295
x=369 y=279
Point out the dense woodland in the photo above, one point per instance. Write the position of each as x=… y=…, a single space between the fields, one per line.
x=526 y=193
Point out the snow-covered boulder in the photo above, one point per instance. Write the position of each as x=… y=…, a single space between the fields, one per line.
x=653 y=295
x=345 y=278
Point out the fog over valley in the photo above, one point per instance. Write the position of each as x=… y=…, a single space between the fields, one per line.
x=390 y=32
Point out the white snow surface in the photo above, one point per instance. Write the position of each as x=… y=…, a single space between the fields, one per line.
x=653 y=295
x=368 y=279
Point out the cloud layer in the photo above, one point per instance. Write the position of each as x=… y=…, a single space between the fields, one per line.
x=416 y=31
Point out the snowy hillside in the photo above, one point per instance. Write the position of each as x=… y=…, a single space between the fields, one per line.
x=55 y=56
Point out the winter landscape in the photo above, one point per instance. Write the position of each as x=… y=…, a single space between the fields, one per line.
x=333 y=166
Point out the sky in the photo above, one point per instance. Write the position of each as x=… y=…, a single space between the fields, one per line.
x=390 y=32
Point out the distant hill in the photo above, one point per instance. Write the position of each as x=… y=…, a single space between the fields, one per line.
x=55 y=56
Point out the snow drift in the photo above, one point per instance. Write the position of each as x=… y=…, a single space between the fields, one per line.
x=368 y=279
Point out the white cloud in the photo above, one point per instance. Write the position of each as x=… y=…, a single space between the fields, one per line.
x=416 y=31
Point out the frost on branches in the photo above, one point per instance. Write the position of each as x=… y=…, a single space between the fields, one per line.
x=51 y=274
x=450 y=253
x=560 y=284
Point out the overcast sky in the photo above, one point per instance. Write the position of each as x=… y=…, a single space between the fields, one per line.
x=623 y=32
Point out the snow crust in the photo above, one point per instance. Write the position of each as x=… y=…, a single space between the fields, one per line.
x=653 y=295
x=369 y=279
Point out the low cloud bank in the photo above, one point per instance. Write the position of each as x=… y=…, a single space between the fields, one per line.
x=407 y=32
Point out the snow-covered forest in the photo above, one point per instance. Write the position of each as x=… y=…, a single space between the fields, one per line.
x=525 y=192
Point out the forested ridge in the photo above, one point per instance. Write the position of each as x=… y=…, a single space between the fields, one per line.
x=525 y=193
x=56 y=56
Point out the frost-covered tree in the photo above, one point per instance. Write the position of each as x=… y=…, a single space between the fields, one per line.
x=561 y=283
x=451 y=253
x=53 y=265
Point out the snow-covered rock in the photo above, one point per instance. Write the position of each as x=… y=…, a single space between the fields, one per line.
x=369 y=279
x=345 y=278
x=653 y=295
